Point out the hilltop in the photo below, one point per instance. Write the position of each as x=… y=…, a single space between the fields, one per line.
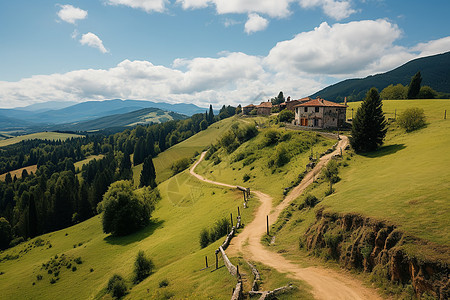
x=435 y=71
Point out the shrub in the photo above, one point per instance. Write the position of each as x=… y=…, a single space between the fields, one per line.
x=124 y=211
x=281 y=156
x=271 y=137
x=180 y=165
x=163 y=283
x=143 y=267
x=246 y=177
x=5 y=233
x=117 y=286
x=311 y=200
x=78 y=260
x=204 y=238
x=286 y=116
x=411 y=119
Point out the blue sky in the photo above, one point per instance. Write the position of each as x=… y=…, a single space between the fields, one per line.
x=206 y=51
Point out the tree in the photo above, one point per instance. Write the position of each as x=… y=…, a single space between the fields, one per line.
x=330 y=172
x=411 y=119
x=143 y=267
x=210 y=115
x=394 y=92
x=369 y=124
x=117 y=286
x=124 y=211
x=203 y=125
x=286 y=116
x=414 y=86
x=278 y=100
x=5 y=233
x=148 y=173
x=427 y=92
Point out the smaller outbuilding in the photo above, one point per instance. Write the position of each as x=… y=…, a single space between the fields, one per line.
x=265 y=108
x=247 y=109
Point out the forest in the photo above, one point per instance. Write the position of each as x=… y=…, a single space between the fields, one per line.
x=57 y=195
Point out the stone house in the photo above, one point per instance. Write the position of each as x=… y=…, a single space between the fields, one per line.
x=320 y=113
x=247 y=109
x=265 y=108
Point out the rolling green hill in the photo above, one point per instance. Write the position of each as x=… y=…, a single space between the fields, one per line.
x=435 y=71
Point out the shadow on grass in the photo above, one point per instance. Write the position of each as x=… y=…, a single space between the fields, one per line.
x=385 y=150
x=135 y=237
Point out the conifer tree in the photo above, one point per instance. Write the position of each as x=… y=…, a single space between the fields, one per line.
x=148 y=174
x=369 y=124
x=210 y=115
x=414 y=86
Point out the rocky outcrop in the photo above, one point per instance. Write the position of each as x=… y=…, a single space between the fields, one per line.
x=369 y=245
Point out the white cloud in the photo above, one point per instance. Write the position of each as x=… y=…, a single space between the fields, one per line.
x=298 y=67
x=255 y=23
x=74 y=34
x=434 y=47
x=230 y=22
x=146 y=5
x=272 y=8
x=335 y=50
x=337 y=9
x=71 y=14
x=93 y=41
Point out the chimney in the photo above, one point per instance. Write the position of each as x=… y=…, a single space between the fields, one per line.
x=345 y=101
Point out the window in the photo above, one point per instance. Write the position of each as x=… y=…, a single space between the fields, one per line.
x=317 y=109
x=306 y=109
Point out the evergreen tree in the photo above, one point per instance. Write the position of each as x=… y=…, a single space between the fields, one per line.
x=148 y=174
x=369 y=124
x=414 y=86
x=210 y=115
x=32 y=218
x=139 y=154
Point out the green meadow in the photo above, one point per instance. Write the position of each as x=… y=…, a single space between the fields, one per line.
x=40 y=135
x=171 y=241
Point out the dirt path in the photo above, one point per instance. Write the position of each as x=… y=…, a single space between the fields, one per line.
x=325 y=283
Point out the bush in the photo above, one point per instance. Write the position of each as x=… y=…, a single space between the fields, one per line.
x=117 y=286
x=124 y=211
x=412 y=119
x=5 y=233
x=311 y=200
x=286 y=116
x=271 y=137
x=163 y=283
x=180 y=165
x=143 y=267
x=204 y=238
x=246 y=177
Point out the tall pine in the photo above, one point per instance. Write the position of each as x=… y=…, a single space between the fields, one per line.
x=210 y=115
x=369 y=124
x=148 y=174
x=414 y=86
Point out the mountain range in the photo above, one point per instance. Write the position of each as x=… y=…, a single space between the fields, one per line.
x=82 y=115
x=435 y=71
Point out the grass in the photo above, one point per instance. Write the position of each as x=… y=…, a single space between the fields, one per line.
x=257 y=174
x=40 y=135
x=79 y=164
x=18 y=172
x=171 y=241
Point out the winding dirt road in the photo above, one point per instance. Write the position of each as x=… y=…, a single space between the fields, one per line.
x=325 y=283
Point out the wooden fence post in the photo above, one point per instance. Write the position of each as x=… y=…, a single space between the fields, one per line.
x=217 y=261
x=239 y=213
x=206 y=260
x=445 y=114
x=231 y=218
x=267 y=224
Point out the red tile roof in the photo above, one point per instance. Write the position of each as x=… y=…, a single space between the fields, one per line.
x=250 y=105
x=265 y=104
x=321 y=102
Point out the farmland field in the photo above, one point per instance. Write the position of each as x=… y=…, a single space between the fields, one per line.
x=41 y=135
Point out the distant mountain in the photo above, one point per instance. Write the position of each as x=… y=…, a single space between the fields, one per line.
x=45 y=106
x=40 y=115
x=141 y=116
x=435 y=71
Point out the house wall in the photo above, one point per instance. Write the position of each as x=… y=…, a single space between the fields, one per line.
x=327 y=117
x=264 y=110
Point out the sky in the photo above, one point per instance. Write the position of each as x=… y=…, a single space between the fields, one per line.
x=206 y=51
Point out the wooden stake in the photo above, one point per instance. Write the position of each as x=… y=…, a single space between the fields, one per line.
x=231 y=218
x=206 y=260
x=239 y=213
x=267 y=224
x=445 y=114
x=237 y=270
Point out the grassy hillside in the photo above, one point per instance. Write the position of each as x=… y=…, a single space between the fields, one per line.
x=171 y=241
x=185 y=149
x=405 y=183
x=40 y=135
x=249 y=164
x=18 y=172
